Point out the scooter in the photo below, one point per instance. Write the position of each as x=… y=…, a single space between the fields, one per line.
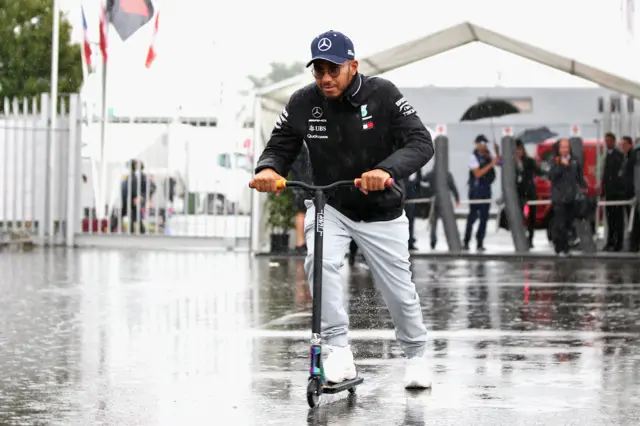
x=317 y=383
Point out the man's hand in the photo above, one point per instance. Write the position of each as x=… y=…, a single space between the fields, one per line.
x=495 y=160
x=265 y=181
x=374 y=180
x=564 y=161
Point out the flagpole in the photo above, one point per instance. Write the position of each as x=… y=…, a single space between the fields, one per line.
x=87 y=97
x=49 y=200
x=103 y=133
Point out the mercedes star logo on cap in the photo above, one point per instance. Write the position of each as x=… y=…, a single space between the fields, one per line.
x=324 y=44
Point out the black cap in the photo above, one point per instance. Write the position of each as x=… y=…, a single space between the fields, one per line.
x=332 y=46
x=481 y=139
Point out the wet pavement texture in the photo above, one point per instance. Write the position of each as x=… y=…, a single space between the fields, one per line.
x=99 y=337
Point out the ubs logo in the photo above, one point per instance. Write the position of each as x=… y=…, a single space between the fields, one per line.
x=313 y=128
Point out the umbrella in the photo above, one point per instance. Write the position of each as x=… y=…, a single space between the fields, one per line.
x=489 y=108
x=536 y=135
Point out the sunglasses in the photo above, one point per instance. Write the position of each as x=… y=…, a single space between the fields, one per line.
x=332 y=69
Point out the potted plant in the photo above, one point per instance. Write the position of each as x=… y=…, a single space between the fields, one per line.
x=280 y=220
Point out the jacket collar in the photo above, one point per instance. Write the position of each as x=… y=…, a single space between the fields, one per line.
x=353 y=92
x=354 y=89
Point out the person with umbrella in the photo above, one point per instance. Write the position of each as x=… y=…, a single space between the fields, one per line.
x=482 y=174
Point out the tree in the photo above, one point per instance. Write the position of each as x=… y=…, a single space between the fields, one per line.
x=278 y=72
x=25 y=50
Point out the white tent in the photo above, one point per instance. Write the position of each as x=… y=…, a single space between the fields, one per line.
x=270 y=100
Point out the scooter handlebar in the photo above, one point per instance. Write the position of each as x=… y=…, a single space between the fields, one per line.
x=282 y=184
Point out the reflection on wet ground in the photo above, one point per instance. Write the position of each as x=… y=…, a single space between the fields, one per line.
x=160 y=338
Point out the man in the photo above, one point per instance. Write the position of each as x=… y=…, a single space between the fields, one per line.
x=428 y=182
x=613 y=190
x=355 y=126
x=301 y=171
x=481 y=176
x=413 y=191
x=628 y=178
x=133 y=193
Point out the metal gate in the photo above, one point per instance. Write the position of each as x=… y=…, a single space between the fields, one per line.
x=38 y=170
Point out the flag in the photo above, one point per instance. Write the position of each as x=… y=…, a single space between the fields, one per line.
x=128 y=16
x=151 y=54
x=87 y=46
x=104 y=23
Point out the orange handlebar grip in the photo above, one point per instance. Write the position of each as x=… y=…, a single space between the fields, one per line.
x=280 y=184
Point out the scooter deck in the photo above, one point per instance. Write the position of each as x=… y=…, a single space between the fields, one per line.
x=331 y=388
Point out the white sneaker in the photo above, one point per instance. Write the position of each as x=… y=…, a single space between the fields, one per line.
x=338 y=364
x=417 y=375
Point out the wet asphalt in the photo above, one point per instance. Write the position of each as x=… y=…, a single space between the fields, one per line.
x=117 y=337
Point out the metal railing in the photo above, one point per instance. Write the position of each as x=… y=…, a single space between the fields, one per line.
x=601 y=203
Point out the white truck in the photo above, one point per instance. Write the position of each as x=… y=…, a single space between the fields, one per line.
x=208 y=166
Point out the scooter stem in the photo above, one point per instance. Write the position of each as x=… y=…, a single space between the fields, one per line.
x=316 y=317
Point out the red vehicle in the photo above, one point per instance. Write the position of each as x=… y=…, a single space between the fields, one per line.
x=544 y=157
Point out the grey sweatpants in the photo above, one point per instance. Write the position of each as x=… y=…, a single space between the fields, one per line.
x=384 y=246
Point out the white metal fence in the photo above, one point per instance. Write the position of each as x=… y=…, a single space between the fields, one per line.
x=35 y=169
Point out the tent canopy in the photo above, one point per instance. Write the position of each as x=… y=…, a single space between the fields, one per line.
x=451 y=38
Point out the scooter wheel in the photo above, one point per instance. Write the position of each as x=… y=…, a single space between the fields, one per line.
x=314 y=391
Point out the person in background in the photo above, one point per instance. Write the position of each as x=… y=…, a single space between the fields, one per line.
x=482 y=174
x=415 y=189
x=133 y=193
x=412 y=190
x=429 y=190
x=301 y=171
x=628 y=177
x=567 y=180
x=526 y=171
x=613 y=190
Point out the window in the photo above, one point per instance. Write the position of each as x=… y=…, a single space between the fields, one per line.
x=525 y=105
x=224 y=161
x=243 y=162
